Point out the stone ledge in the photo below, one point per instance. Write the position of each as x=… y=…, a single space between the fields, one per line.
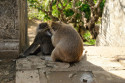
x=9 y=45
x=9 y=54
x=93 y=68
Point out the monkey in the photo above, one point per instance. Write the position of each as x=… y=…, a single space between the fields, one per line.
x=67 y=42
x=42 y=42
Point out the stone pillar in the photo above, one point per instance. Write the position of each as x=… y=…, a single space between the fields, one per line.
x=13 y=27
x=112 y=29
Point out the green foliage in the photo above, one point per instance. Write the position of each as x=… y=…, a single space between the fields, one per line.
x=36 y=14
x=55 y=12
x=87 y=36
x=91 y=42
x=68 y=12
x=85 y=8
x=38 y=5
x=95 y=1
x=102 y=5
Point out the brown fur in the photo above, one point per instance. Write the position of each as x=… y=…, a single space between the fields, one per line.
x=67 y=42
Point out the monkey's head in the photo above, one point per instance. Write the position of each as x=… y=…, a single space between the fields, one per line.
x=54 y=26
x=42 y=27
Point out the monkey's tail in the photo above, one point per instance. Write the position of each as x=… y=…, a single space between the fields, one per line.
x=84 y=52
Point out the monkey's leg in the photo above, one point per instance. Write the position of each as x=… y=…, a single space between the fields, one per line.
x=46 y=47
x=57 y=55
x=38 y=50
x=27 y=51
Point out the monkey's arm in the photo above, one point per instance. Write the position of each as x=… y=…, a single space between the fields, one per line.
x=32 y=47
x=36 y=51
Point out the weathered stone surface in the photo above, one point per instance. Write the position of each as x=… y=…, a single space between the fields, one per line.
x=8 y=31
x=30 y=76
x=9 y=45
x=42 y=76
x=8 y=18
x=109 y=77
x=31 y=62
x=12 y=27
x=112 y=29
x=9 y=48
x=8 y=54
x=100 y=65
x=35 y=62
x=121 y=59
x=68 y=77
x=7 y=71
x=96 y=59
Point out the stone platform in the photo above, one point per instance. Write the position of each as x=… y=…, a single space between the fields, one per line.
x=99 y=65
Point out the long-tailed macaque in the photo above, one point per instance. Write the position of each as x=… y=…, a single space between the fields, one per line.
x=42 y=42
x=67 y=42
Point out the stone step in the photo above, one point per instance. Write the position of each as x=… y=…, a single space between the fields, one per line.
x=99 y=65
x=40 y=76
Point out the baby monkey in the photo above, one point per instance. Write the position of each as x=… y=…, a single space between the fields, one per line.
x=67 y=42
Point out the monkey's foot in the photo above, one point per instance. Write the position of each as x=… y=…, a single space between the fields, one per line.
x=21 y=56
x=46 y=58
x=42 y=57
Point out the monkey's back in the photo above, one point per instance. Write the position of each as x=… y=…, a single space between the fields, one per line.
x=69 y=42
x=45 y=42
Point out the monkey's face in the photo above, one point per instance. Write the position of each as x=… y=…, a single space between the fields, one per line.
x=54 y=26
x=42 y=27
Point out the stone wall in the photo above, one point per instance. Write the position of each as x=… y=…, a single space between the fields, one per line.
x=112 y=29
x=12 y=27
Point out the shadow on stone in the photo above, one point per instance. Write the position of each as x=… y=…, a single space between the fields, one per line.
x=56 y=72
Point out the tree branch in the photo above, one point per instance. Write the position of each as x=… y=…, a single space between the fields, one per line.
x=50 y=15
x=84 y=20
x=75 y=10
x=62 y=15
x=91 y=3
x=97 y=4
x=69 y=19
